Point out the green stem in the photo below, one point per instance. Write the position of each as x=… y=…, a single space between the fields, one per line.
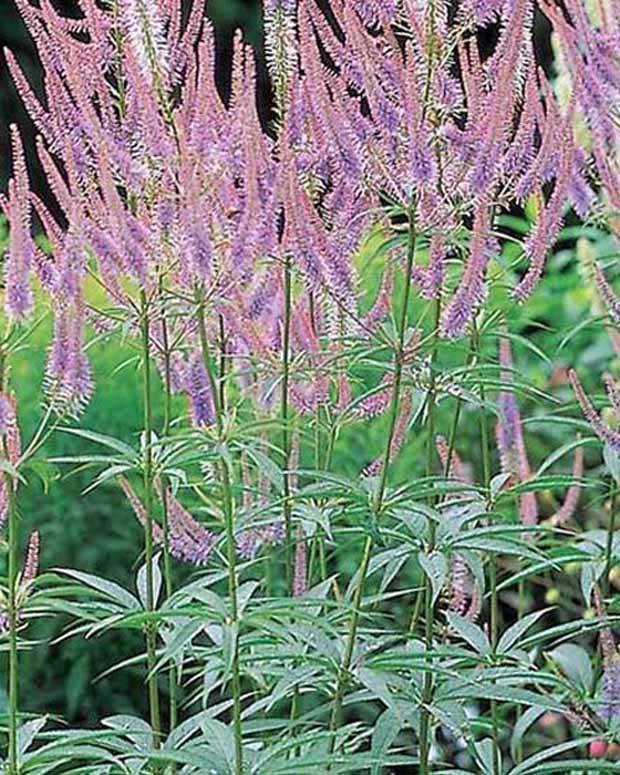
x=429 y=608
x=13 y=622
x=520 y=614
x=399 y=353
x=486 y=476
x=151 y=632
x=172 y=678
x=13 y=688
x=284 y=416
x=225 y=476
x=222 y=364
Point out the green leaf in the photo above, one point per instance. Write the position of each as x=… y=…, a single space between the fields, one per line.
x=485 y=752
x=386 y=730
x=142 y=582
x=514 y=633
x=470 y=632
x=528 y=718
x=590 y=574
x=575 y=663
x=100 y=438
x=612 y=462
x=27 y=733
x=108 y=588
x=435 y=567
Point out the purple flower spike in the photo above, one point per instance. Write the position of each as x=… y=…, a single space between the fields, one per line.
x=189 y=540
x=31 y=565
x=510 y=441
x=300 y=582
x=199 y=389
x=605 y=434
x=568 y=508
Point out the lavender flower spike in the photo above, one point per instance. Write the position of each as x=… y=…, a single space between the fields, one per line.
x=189 y=540
x=568 y=508
x=139 y=510
x=607 y=294
x=510 y=441
x=31 y=565
x=605 y=434
x=201 y=400
x=610 y=707
x=300 y=582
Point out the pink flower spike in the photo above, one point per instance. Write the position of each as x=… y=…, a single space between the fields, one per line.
x=605 y=434
x=31 y=565
x=568 y=508
x=300 y=583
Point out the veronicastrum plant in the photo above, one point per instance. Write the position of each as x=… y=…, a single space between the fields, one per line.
x=360 y=273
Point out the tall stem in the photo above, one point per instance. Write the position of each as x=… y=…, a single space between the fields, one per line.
x=284 y=407
x=399 y=353
x=486 y=476
x=172 y=678
x=225 y=476
x=151 y=632
x=427 y=689
x=12 y=612
x=13 y=688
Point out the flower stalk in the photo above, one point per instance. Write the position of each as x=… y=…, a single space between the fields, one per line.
x=225 y=476
x=398 y=361
x=486 y=478
x=284 y=417
x=429 y=612
x=172 y=677
x=149 y=493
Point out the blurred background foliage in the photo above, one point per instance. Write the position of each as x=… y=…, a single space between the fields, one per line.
x=98 y=533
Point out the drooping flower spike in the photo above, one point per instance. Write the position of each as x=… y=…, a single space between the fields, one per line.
x=188 y=539
x=399 y=436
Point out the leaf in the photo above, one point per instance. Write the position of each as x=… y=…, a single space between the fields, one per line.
x=136 y=729
x=386 y=730
x=575 y=663
x=590 y=574
x=561 y=451
x=524 y=342
x=108 y=588
x=523 y=724
x=535 y=760
x=267 y=467
x=612 y=462
x=100 y=438
x=484 y=754
x=514 y=633
x=27 y=733
x=142 y=582
x=470 y=632
x=435 y=567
